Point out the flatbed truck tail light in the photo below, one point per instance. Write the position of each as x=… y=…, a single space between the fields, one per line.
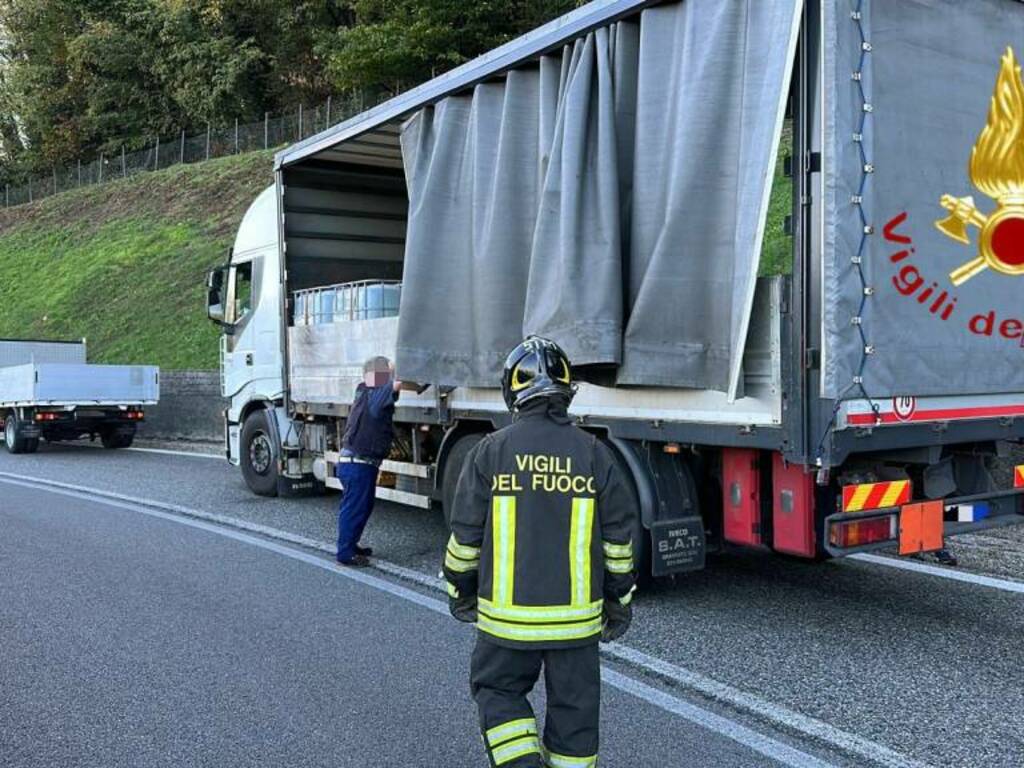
x=1018 y=476
x=134 y=415
x=47 y=416
x=856 y=533
x=869 y=496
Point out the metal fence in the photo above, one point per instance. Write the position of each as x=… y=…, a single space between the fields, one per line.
x=167 y=151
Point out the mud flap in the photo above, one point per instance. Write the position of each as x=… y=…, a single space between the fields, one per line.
x=677 y=546
x=291 y=487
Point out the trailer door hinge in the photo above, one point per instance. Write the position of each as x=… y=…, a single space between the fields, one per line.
x=812 y=359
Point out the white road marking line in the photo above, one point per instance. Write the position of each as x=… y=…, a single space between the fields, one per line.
x=163 y=451
x=765 y=745
x=751 y=739
x=776 y=714
x=189 y=454
x=991 y=582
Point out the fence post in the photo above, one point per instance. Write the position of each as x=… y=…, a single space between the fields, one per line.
x=7 y=195
x=55 y=180
x=156 y=155
x=30 y=189
x=300 y=122
x=124 y=164
x=266 y=130
x=101 y=168
x=79 y=171
x=182 y=146
x=207 y=141
x=327 y=121
x=236 y=135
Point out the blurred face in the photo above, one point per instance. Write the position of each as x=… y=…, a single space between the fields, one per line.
x=376 y=378
x=378 y=372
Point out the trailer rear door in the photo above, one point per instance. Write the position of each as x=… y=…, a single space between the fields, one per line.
x=923 y=236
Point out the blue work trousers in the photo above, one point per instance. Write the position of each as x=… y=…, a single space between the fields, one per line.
x=359 y=482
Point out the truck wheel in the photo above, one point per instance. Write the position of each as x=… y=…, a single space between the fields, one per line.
x=453 y=468
x=259 y=455
x=14 y=442
x=112 y=439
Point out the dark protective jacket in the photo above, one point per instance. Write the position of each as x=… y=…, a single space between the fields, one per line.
x=542 y=529
x=370 y=428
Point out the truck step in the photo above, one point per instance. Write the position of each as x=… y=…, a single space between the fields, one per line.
x=394 y=467
x=390 y=494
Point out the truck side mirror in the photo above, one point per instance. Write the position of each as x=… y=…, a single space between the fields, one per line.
x=216 y=284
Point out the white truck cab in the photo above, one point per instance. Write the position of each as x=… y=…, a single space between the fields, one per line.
x=245 y=300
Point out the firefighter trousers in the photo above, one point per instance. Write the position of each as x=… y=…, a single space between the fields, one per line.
x=501 y=678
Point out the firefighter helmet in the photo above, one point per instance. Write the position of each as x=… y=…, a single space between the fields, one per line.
x=536 y=368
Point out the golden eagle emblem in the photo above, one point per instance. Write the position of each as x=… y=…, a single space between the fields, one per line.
x=997 y=169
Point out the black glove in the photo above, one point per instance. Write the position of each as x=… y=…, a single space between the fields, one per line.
x=615 y=620
x=463 y=608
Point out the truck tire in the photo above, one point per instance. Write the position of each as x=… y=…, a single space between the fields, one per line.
x=112 y=439
x=258 y=457
x=453 y=468
x=14 y=441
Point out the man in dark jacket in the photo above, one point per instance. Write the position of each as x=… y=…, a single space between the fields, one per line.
x=541 y=558
x=367 y=442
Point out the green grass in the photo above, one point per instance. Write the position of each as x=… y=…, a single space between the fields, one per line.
x=777 y=250
x=123 y=264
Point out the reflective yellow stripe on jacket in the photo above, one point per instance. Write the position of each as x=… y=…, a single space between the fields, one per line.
x=580 y=534
x=502 y=618
x=460 y=557
x=504 y=533
x=618 y=558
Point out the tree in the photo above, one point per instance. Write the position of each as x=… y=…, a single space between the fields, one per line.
x=80 y=77
x=395 y=44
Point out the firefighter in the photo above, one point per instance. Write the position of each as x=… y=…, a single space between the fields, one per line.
x=541 y=559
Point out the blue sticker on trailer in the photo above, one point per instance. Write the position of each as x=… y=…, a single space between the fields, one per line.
x=968 y=513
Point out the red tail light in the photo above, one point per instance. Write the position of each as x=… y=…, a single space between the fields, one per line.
x=47 y=416
x=855 y=533
x=134 y=415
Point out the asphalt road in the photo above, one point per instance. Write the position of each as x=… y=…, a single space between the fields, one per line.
x=133 y=640
x=924 y=669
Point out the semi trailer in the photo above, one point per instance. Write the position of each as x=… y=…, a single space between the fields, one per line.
x=48 y=391
x=605 y=181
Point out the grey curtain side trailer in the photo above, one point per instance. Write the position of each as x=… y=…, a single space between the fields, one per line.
x=800 y=444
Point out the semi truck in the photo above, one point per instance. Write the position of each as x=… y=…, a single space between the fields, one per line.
x=606 y=181
x=48 y=391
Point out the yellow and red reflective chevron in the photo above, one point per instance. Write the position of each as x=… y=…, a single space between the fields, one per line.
x=859 y=498
x=1018 y=476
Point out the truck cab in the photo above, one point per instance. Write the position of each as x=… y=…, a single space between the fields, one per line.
x=244 y=299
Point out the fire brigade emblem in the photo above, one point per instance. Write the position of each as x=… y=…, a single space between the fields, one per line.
x=997 y=169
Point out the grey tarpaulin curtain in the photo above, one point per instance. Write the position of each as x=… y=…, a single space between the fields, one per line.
x=608 y=196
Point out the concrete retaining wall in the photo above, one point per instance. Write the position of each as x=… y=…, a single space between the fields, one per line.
x=190 y=408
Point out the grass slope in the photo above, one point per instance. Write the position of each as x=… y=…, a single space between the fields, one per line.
x=123 y=264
